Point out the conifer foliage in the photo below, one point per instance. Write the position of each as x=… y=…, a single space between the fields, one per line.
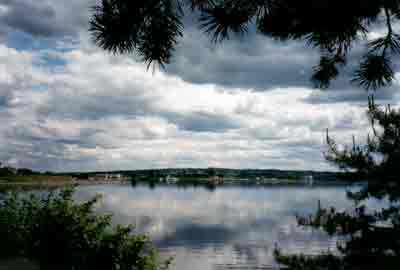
x=373 y=235
x=152 y=28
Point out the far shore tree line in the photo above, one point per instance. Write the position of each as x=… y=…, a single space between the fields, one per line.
x=151 y=29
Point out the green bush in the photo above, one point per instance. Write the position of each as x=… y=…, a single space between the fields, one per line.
x=59 y=233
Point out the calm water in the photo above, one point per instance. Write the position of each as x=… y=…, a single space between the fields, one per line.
x=228 y=228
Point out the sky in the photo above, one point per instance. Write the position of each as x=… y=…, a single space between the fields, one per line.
x=66 y=105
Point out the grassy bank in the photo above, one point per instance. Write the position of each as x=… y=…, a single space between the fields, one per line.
x=35 y=179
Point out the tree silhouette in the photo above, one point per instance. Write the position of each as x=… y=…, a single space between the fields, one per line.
x=373 y=235
x=152 y=28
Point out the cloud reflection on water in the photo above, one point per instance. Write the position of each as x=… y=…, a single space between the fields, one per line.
x=231 y=227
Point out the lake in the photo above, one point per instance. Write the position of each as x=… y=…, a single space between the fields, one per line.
x=231 y=227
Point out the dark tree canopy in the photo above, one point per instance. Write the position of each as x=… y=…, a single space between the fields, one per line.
x=373 y=235
x=152 y=29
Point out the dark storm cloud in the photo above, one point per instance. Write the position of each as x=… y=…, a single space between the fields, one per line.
x=74 y=106
x=260 y=63
x=50 y=154
x=357 y=96
x=202 y=121
x=55 y=18
x=94 y=107
x=100 y=107
x=252 y=61
x=5 y=96
x=30 y=17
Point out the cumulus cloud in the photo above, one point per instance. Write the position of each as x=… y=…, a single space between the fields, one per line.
x=251 y=61
x=107 y=112
x=66 y=105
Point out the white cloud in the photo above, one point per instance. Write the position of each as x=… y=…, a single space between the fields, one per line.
x=107 y=112
x=66 y=105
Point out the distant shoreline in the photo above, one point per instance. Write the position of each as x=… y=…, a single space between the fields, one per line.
x=60 y=183
x=160 y=184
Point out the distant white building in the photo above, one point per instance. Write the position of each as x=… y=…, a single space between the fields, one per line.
x=107 y=177
x=309 y=180
x=171 y=179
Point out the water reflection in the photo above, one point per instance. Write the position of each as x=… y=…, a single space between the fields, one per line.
x=230 y=227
